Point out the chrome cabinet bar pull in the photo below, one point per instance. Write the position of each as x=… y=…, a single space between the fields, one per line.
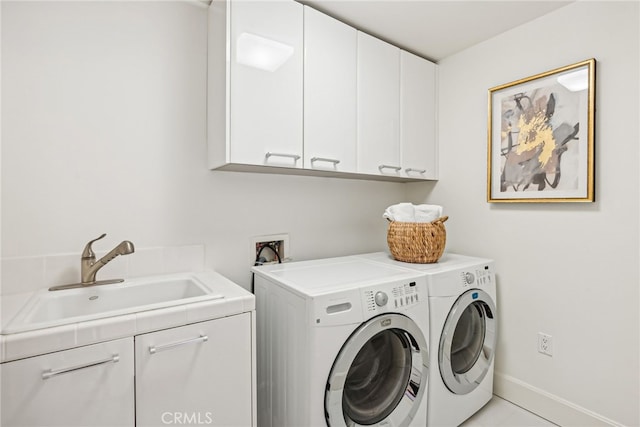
x=395 y=168
x=408 y=170
x=324 y=159
x=292 y=156
x=52 y=373
x=154 y=349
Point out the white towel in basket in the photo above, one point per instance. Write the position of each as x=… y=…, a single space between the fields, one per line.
x=427 y=213
x=408 y=212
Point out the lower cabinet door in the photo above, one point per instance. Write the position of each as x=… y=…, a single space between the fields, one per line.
x=199 y=374
x=86 y=386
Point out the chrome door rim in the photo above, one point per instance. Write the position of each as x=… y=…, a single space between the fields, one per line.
x=416 y=386
x=463 y=383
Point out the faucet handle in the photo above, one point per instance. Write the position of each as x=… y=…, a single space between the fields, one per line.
x=87 y=253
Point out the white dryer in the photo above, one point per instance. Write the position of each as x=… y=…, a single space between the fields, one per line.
x=462 y=304
x=341 y=342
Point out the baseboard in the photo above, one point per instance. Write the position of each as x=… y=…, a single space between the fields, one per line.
x=546 y=405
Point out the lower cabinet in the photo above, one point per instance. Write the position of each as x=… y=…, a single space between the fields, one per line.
x=198 y=374
x=85 y=386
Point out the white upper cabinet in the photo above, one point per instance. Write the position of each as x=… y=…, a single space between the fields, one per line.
x=418 y=117
x=289 y=86
x=330 y=60
x=255 y=98
x=378 y=107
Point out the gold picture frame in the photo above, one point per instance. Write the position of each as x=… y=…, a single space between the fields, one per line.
x=541 y=137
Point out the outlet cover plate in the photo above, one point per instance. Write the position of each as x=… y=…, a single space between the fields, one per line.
x=545 y=344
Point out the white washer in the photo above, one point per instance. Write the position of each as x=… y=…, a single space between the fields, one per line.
x=341 y=342
x=462 y=304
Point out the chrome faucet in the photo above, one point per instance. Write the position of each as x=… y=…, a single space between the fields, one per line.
x=89 y=266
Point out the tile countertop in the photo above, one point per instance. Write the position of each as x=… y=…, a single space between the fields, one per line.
x=32 y=343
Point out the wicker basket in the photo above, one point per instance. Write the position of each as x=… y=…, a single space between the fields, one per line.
x=417 y=242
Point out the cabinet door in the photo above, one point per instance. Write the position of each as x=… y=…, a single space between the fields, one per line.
x=418 y=117
x=86 y=386
x=196 y=374
x=266 y=83
x=378 y=107
x=330 y=59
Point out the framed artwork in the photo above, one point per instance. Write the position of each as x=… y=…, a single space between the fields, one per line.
x=541 y=137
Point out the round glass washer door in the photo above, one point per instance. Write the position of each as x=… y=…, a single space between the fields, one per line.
x=380 y=374
x=468 y=341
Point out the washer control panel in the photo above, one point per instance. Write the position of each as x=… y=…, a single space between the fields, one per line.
x=393 y=296
x=479 y=277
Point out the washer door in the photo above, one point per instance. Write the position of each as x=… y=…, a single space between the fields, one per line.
x=380 y=374
x=468 y=341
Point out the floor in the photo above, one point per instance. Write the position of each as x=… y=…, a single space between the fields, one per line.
x=501 y=413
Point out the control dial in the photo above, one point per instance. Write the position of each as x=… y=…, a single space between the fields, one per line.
x=469 y=278
x=381 y=298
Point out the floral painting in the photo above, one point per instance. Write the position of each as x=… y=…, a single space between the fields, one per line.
x=541 y=137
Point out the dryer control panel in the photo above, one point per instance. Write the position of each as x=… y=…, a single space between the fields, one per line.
x=479 y=277
x=394 y=296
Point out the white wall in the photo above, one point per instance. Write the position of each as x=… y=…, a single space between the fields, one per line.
x=569 y=270
x=104 y=130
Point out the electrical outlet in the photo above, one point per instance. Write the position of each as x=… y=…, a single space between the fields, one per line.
x=277 y=243
x=545 y=344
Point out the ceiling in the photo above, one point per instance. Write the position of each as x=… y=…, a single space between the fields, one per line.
x=435 y=29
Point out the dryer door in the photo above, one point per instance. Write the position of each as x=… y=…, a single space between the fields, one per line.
x=468 y=341
x=380 y=374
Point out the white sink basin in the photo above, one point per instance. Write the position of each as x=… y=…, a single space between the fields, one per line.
x=53 y=308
